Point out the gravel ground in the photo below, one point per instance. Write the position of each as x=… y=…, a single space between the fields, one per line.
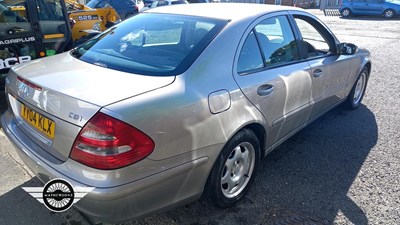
x=342 y=169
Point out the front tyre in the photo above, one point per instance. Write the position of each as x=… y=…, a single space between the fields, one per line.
x=346 y=12
x=234 y=170
x=389 y=13
x=356 y=95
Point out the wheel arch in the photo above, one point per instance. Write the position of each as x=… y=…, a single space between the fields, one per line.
x=260 y=132
x=368 y=65
x=258 y=129
x=394 y=10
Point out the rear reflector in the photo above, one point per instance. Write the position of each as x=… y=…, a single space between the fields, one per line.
x=108 y=143
x=30 y=84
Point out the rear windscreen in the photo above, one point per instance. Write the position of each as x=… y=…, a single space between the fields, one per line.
x=151 y=44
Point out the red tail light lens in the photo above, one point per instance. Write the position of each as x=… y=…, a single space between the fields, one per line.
x=107 y=143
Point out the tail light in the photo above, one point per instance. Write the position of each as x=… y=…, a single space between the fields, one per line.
x=107 y=143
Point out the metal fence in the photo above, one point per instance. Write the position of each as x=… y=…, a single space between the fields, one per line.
x=330 y=7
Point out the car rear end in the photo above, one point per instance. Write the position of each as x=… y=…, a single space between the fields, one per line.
x=60 y=136
x=98 y=123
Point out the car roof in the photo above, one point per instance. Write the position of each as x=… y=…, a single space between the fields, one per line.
x=225 y=11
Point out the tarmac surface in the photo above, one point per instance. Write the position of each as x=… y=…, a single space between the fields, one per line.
x=342 y=169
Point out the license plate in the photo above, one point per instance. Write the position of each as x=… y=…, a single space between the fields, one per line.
x=40 y=122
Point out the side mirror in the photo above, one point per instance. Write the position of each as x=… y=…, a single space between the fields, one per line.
x=347 y=49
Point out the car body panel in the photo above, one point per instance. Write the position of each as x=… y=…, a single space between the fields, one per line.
x=92 y=78
x=54 y=106
x=62 y=103
x=290 y=97
x=175 y=111
x=330 y=87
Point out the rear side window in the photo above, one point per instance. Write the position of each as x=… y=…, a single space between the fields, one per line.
x=151 y=44
x=250 y=57
x=277 y=41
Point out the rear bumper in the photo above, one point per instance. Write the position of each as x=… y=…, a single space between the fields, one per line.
x=176 y=186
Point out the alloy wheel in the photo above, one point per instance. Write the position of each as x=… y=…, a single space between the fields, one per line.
x=237 y=170
x=360 y=87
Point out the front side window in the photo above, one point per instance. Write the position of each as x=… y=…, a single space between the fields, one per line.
x=50 y=10
x=313 y=38
x=151 y=44
x=14 y=18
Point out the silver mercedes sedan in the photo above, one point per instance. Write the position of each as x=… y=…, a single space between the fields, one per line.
x=178 y=103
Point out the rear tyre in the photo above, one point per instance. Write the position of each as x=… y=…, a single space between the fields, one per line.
x=389 y=13
x=234 y=170
x=356 y=95
x=346 y=12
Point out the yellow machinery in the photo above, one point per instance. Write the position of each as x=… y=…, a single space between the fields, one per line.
x=88 y=20
x=31 y=29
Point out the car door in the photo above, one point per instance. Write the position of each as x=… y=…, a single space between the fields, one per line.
x=375 y=7
x=271 y=75
x=358 y=6
x=329 y=70
x=53 y=22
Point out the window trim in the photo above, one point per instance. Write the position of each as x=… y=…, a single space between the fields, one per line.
x=185 y=63
x=325 y=32
x=252 y=28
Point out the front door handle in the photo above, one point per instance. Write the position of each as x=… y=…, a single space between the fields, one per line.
x=265 y=90
x=317 y=73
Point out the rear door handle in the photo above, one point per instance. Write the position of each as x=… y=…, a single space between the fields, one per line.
x=318 y=73
x=265 y=90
